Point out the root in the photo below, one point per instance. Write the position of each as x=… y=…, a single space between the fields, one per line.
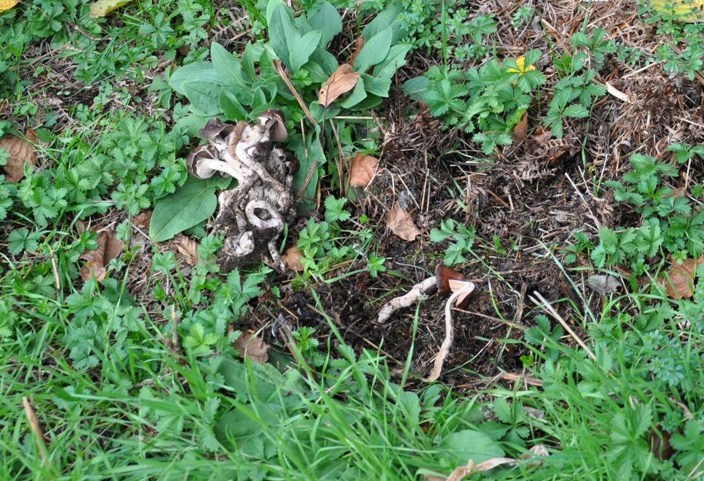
x=406 y=300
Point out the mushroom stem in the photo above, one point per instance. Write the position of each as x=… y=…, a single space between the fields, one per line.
x=223 y=167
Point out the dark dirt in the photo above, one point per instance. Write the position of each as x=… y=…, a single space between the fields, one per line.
x=531 y=204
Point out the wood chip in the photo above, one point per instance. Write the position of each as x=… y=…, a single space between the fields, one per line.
x=21 y=153
x=363 y=170
x=340 y=82
x=401 y=223
x=617 y=93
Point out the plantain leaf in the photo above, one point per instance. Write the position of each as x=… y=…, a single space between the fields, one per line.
x=190 y=205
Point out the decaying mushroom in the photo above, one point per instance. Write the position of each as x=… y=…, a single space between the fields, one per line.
x=253 y=214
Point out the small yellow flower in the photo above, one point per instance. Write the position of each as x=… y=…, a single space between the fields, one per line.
x=7 y=4
x=521 y=64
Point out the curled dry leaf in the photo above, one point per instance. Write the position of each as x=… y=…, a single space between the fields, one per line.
x=21 y=153
x=251 y=347
x=142 y=220
x=187 y=247
x=358 y=46
x=521 y=129
x=362 y=170
x=401 y=223
x=292 y=259
x=100 y=8
x=679 y=281
x=623 y=97
x=471 y=467
x=109 y=247
x=340 y=82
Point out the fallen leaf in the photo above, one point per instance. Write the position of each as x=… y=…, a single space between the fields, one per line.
x=340 y=82
x=103 y=7
x=362 y=170
x=292 y=259
x=7 y=4
x=603 y=284
x=401 y=223
x=679 y=281
x=21 y=153
x=109 y=247
x=252 y=347
x=358 y=46
x=187 y=247
x=521 y=129
x=142 y=220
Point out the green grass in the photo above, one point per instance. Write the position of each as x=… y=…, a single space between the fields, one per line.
x=118 y=400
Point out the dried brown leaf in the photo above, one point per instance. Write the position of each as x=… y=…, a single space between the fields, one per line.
x=251 y=347
x=362 y=170
x=142 y=220
x=109 y=247
x=340 y=82
x=187 y=247
x=401 y=223
x=679 y=281
x=21 y=153
x=358 y=45
x=521 y=129
x=292 y=259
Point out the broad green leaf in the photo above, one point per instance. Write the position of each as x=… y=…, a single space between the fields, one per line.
x=252 y=53
x=190 y=205
x=387 y=18
x=231 y=107
x=327 y=62
x=227 y=66
x=282 y=32
x=311 y=156
x=301 y=49
x=394 y=61
x=270 y=8
x=326 y=19
x=415 y=87
x=377 y=85
x=374 y=51
x=201 y=85
x=358 y=94
x=459 y=447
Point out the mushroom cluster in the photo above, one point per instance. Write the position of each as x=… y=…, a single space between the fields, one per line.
x=253 y=214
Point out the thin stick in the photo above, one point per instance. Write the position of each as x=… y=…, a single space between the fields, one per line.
x=282 y=73
x=550 y=310
x=36 y=428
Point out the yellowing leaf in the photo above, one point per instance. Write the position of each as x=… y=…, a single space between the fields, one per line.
x=681 y=10
x=521 y=64
x=7 y=4
x=103 y=7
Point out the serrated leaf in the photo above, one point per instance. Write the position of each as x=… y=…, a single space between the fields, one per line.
x=374 y=51
x=576 y=111
x=190 y=205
